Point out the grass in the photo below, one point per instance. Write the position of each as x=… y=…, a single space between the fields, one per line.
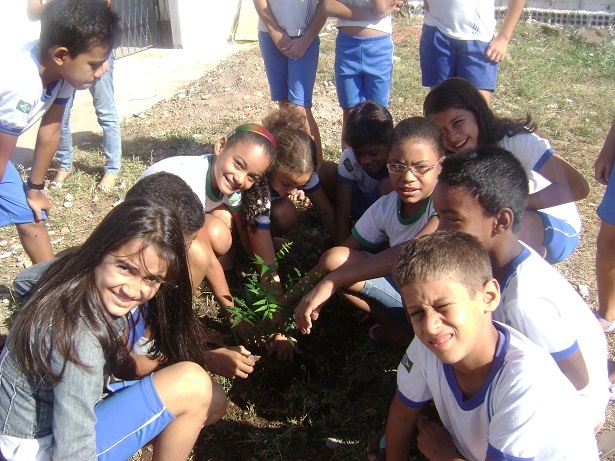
x=341 y=385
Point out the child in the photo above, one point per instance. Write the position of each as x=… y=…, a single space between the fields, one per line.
x=239 y=160
x=170 y=191
x=363 y=51
x=76 y=39
x=605 y=275
x=483 y=192
x=458 y=41
x=104 y=105
x=498 y=395
x=415 y=149
x=360 y=177
x=288 y=39
x=552 y=223
x=67 y=338
x=271 y=213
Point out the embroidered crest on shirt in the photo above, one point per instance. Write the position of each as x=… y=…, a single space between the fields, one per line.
x=348 y=164
x=23 y=106
x=405 y=361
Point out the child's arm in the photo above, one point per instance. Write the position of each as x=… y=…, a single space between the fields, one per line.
x=47 y=142
x=380 y=265
x=567 y=185
x=401 y=430
x=296 y=48
x=575 y=369
x=380 y=9
x=604 y=162
x=342 y=207
x=278 y=35
x=324 y=210
x=496 y=51
x=308 y=309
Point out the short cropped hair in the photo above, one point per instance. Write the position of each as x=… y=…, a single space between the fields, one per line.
x=173 y=192
x=78 y=25
x=491 y=174
x=444 y=255
x=368 y=123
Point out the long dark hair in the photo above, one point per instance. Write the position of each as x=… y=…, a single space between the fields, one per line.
x=459 y=93
x=67 y=296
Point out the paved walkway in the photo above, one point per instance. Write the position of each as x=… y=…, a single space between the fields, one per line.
x=141 y=80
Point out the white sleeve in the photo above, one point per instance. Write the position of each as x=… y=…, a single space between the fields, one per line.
x=369 y=230
x=529 y=148
x=345 y=170
x=412 y=386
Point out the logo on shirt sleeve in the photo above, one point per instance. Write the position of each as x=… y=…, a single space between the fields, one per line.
x=348 y=165
x=23 y=106
x=406 y=362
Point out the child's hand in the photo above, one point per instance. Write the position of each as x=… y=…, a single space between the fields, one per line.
x=230 y=362
x=309 y=307
x=281 y=40
x=434 y=441
x=283 y=347
x=496 y=51
x=295 y=49
x=38 y=202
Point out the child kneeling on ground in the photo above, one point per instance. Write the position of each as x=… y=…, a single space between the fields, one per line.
x=498 y=395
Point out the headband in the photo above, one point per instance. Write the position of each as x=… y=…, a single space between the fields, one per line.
x=254 y=128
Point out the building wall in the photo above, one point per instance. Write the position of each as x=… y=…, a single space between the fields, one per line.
x=574 y=5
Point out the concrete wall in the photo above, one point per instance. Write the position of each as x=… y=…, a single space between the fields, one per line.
x=586 y=5
x=201 y=23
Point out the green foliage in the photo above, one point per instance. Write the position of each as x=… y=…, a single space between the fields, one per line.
x=260 y=303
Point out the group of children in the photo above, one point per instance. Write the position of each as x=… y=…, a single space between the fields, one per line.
x=500 y=337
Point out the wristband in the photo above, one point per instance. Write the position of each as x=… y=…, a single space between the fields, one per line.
x=31 y=185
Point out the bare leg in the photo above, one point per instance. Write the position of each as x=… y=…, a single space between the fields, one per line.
x=327 y=172
x=532 y=232
x=283 y=216
x=195 y=400
x=345 y=113
x=487 y=95
x=605 y=271
x=35 y=241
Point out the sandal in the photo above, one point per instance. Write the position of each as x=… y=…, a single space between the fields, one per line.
x=55 y=185
x=371 y=331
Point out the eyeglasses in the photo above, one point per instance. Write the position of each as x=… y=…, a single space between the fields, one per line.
x=417 y=171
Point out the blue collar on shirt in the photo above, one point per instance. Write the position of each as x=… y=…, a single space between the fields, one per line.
x=525 y=253
x=498 y=362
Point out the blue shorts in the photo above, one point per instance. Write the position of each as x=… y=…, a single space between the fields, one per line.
x=443 y=57
x=288 y=78
x=359 y=202
x=606 y=210
x=560 y=238
x=384 y=291
x=128 y=419
x=363 y=69
x=14 y=208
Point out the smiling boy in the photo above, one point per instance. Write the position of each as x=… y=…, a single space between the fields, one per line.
x=483 y=192
x=76 y=40
x=498 y=395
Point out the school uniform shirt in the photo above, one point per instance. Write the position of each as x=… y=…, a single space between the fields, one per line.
x=349 y=171
x=383 y=221
x=23 y=100
x=540 y=303
x=533 y=151
x=293 y=16
x=461 y=19
x=196 y=171
x=383 y=25
x=526 y=408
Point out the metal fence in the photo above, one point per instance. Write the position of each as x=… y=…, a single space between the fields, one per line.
x=144 y=24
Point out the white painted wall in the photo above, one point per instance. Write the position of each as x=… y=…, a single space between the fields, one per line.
x=574 y=5
x=201 y=23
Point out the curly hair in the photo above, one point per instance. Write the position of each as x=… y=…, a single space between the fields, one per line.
x=254 y=202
